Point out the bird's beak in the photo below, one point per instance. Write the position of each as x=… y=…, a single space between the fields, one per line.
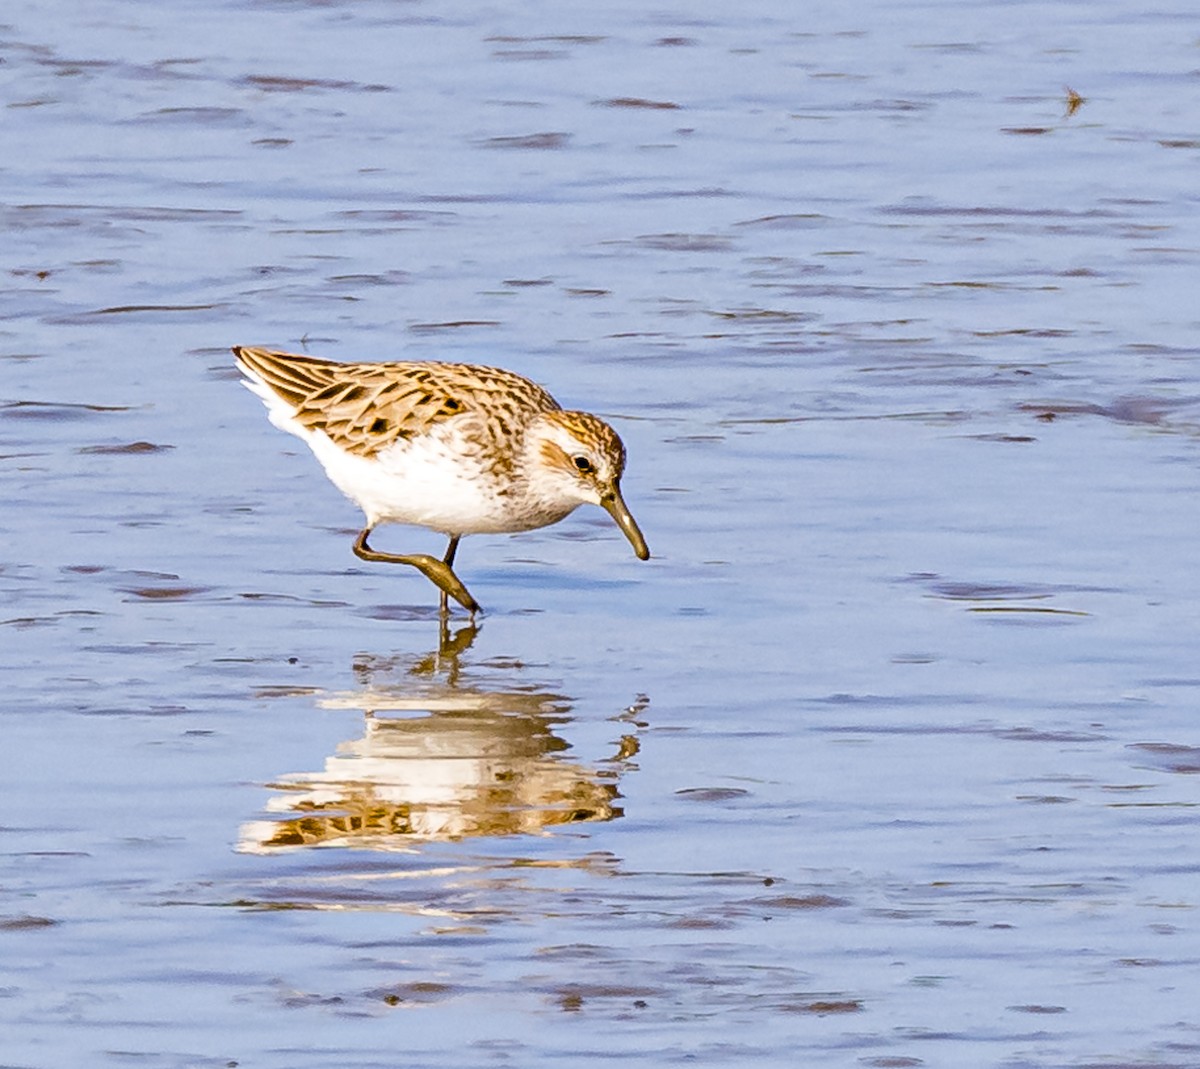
x=615 y=506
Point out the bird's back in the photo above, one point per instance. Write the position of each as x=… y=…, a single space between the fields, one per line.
x=366 y=407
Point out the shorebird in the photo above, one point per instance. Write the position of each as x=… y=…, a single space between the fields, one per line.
x=458 y=448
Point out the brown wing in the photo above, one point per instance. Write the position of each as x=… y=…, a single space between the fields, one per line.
x=366 y=407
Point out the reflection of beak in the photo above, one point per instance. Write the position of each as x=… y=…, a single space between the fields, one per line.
x=614 y=505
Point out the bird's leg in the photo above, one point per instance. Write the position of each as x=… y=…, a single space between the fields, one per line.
x=436 y=571
x=448 y=561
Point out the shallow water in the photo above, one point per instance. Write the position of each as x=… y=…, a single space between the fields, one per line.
x=887 y=758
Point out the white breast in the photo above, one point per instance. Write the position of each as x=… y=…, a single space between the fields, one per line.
x=424 y=482
x=432 y=481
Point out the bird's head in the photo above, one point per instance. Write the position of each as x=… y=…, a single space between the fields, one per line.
x=583 y=458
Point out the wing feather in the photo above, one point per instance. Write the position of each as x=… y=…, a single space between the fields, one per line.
x=366 y=407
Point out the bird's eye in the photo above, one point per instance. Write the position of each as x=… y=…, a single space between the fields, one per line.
x=583 y=464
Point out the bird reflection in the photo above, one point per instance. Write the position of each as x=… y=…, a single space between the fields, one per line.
x=446 y=753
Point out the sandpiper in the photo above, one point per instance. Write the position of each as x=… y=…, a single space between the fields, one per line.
x=457 y=448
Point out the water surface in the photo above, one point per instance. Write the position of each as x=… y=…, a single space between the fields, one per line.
x=887 y=757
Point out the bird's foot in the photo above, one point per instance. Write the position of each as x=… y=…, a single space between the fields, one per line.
x=436 y=571
x=442 y=576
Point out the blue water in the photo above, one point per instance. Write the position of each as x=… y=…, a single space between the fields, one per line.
x=888 y=756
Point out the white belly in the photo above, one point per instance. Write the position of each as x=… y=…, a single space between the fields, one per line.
x=432 y=481
x=414 y=482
